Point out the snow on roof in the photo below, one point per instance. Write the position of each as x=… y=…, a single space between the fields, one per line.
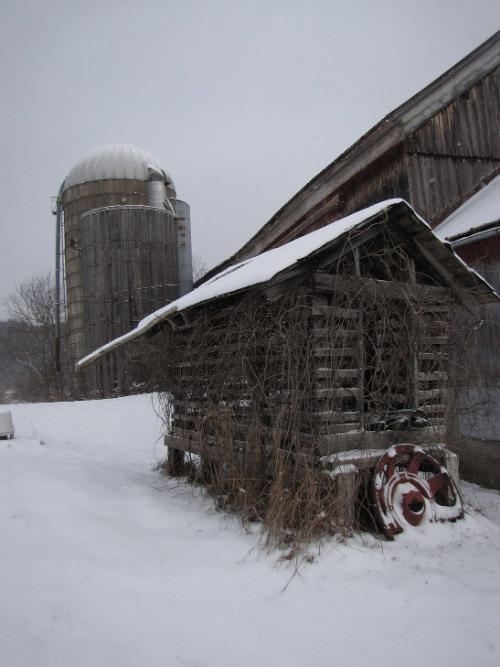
x=480 y=209
x=260 y=269
x=119 y=161
x=253 y=271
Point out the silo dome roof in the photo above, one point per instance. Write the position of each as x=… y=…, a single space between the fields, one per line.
x=117 y=161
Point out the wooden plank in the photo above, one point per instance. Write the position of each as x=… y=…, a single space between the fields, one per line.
x=334 y=333
x=434 y=340
x=368 y=457
x=431 y=376
x=432 y=355
x=361 y=348
x=338 y=392
x=236 y=450
x=431 y=393
x=333 y=416
x=329 y=429
x=334 y=373
x=433 y=409
x=390 y=288
x=329 y=352
x=330 y=444
x=413 y=356
x=334 y=312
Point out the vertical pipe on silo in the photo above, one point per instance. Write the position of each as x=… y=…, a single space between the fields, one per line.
x=57 y=314
x=184 y=253
x=157 y=191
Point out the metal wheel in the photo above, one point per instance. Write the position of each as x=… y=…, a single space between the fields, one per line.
x=410 y=487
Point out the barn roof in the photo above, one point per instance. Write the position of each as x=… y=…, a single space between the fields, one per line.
x=269 y=265
x=391 y=131
x=479 y=211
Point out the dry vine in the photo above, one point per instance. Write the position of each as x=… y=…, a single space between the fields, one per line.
x=262 y=389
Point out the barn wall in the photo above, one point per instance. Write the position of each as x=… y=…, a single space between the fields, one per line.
x=479 y=444
x=457 y=150
x=384 y=179
x=435 y=166
x=484 y=256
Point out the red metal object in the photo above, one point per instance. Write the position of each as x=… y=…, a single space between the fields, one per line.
x=410 y=487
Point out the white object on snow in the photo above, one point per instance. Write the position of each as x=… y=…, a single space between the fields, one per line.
x=6 y=425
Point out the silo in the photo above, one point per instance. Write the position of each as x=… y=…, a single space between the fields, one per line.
x=121 y=250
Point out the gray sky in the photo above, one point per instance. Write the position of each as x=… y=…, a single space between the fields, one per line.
x=242 y=102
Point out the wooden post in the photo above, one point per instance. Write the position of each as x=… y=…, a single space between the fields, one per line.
x=175 y=460
x=346 y=495
x=361 y=350
x=414 y=343
x=451 y=461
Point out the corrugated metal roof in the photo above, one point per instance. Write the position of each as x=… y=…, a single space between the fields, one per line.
x=115 y=161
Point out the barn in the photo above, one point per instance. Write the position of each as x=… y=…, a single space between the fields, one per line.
x=308 y=361
x=474 y=232
x=440 y=151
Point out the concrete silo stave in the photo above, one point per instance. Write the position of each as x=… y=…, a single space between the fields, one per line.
x=125 y=237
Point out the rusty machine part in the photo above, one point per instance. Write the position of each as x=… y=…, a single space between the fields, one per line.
x=409 y=487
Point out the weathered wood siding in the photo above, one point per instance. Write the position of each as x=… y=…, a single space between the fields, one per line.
x=435 y=169
x=484 y=256
x=435 y=150
x=384 y=179
x=455 y=152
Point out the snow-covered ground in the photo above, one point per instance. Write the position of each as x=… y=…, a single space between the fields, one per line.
x=105 y=562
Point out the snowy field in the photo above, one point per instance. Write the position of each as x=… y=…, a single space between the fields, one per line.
x=104 y=562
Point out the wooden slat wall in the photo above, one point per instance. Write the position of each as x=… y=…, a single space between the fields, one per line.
x=433 y=310
x=458 y=149
x=336 y=404
x=337 y=367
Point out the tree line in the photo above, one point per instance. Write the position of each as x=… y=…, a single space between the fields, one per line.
x=27 y=343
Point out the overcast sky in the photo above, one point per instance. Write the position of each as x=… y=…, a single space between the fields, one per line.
x=242 y=102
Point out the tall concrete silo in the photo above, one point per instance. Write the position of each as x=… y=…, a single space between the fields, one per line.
x=126 y=248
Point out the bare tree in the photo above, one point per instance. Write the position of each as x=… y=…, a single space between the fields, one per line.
x=199 y=267
x=30 y=337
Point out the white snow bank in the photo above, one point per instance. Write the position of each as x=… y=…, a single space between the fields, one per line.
x=105 y=562
x=480 y=209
